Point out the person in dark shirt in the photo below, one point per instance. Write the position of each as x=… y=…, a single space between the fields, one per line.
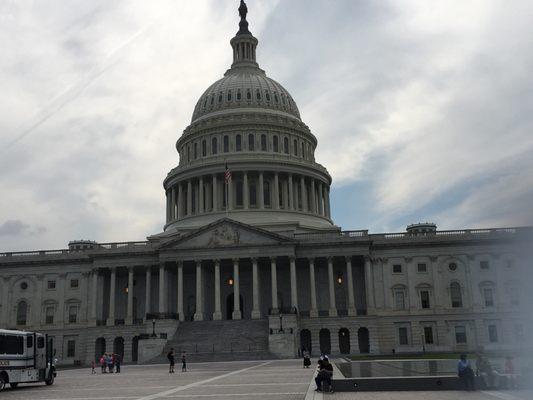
x=171 y=359
x=325 y=373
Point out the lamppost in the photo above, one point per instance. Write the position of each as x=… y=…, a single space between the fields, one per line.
x=280 y=323
x=153 y=328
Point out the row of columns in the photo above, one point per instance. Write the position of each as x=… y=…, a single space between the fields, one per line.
x=237 y=312
x=312 y=197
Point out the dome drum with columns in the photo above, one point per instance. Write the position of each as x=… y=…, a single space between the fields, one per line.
x=249 y=124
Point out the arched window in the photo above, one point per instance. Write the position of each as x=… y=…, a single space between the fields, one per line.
x=251 y=142
x=238 y=143
x=229 y=95
x=212 y=99
x=303 y=150
x=220 y=98
x=267 y=96
x=214 y=146
x=238 y=194
x=258 y=94
x=276 y=98
x=344 y=341
x=275 y=144
x=325 y=341
x=286 y=145
x=226 y=144
x=22 y=313
x=195 y=150
x=204 y=148
x=266 y=192
x=248 y=95
x=455 y=295
x=253 y=194
x=238 y=94
x=263 y=142
x=295 y=147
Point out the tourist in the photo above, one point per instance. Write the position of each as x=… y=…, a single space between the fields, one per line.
x=118 y=361
x=307 y=358
x=183 y=362
x=102 y=363
x=171 y=360
x=465 y=373
x=109 y=362
x=93 y=367
x=324 y=375
x=486 y=372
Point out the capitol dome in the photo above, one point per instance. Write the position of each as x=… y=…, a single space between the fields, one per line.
x=247 y=155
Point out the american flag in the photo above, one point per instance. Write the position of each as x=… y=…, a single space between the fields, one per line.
x=227 y=175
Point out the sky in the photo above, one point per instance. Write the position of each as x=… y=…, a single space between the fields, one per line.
x=423 y=110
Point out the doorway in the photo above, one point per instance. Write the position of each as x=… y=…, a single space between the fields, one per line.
x=363 y=339
x=344 y=341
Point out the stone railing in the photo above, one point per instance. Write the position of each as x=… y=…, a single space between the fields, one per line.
x=334 y=236
x=452 y=234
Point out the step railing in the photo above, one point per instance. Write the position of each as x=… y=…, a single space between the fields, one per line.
x=220 y=348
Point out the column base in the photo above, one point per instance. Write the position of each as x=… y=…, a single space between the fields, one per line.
x=236 y=315
x=217 y=316
x=313 y=313
x=333 y=312
x=128 y=321
x=352 y=312
x=256 y=314
x=110 y=322
x=181 y=317
x=198 y=316
x=91 y=322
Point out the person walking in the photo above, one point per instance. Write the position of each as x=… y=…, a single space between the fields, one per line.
x=118 y=361
x=93 y=367
x=109 y=362
x=183 y=362
x=171 y=359
x=307 y=358
x=465 y=373
x=102 y=363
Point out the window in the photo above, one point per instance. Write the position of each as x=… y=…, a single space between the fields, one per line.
x=238 y=194
x=71 y=348
x=220 y=98
x=452 y=266
x=212 y=99
x=204 y=148
x=488 y=297
x=399 y=299
x=424 y=299
x=229 y=95
x=397 y=268
x=24 y=285
x=40 y=342
x=195 y=151
x=51 y=285
x=275 y=144
x=226 y=144
x=214 y=146
x=238 y=143
x=267 y=96
x=253 y=195
x=493 y=334
x=10 y=344
x=455 y=295
x=403 y=338
x=266 y=194
x=22 y=313
x=460 y=334
x=422 y=267
x=249 y=94
x=74 y=283
x=49 y=319
x=428 y=334
x=72 y=314
x=29 y=342
x=286 y=145
x=484 y=264
x=263 y=142
x=238 y=94
x=303 y=150
x=276 y=98
x=258 y=95
x=295 y=147
x=251 y=142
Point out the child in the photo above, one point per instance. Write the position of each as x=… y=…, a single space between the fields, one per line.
x=93 y=367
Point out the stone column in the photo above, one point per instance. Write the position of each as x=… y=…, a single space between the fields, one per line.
x=331 y=282
x=349 y=277
x=129 y=311
x=313 y=312
x=181 y=314
x=162 y=295
x=94 y=297
x=320 y=199
x=199 y=314
x=328 y=209
x=256 y=313
x=173 y=204
x=294 y=284
x=148 y=292
x=201 y=207
x=179 y=206
x=276 y=191
x=291 y=194
x=369 y=287
x=217 y=315
x=236 y=291
x=274 y=280
x=312 y=205
x=112 y=296
x=285 y=194
x=214 y=193
x=261 y=191
x=189 y=197
x=245 y=191
x=167 y=195
x=304 y=193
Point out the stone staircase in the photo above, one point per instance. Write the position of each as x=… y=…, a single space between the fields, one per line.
x=219 y=341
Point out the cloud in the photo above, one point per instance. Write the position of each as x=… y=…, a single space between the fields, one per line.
x=19 y=228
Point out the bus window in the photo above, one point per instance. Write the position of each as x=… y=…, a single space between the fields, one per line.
x=29 y=342
x=40 y=342
x=10 y=344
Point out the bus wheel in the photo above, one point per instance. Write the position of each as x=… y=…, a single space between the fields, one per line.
x=14 y=385
x=50 y=380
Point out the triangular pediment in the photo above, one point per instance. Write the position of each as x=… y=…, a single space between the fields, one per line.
x=225 y=233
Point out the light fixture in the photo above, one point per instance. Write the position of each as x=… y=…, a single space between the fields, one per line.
x=126 y=290
x=230 y=281
x=339 y=279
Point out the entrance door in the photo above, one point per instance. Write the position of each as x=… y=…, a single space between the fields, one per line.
x=99 y=348
x=364 y=340
x=325 y=341
x=135 y=349
x=305 y=340
x=229 y=306
x=344 y=341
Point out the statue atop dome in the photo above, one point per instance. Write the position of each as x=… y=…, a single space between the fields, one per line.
x=243 y=24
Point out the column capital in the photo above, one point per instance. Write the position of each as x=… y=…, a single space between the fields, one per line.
x=311 y=260
x=235 y=261
x=348 y=258
x=198 y=261
x=130 y=268
x=329 y=258
x=292 y=258
x=179 y=263
x=273 y=259
x=254 y=260
x=216 y=261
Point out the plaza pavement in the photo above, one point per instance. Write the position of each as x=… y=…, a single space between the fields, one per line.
x=265 y=380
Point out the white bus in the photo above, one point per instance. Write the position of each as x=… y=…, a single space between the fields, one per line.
x=25 y=357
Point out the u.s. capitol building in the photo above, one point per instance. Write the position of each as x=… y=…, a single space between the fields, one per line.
x=250 y=263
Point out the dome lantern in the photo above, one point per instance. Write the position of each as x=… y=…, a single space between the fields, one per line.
x=244 y=43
